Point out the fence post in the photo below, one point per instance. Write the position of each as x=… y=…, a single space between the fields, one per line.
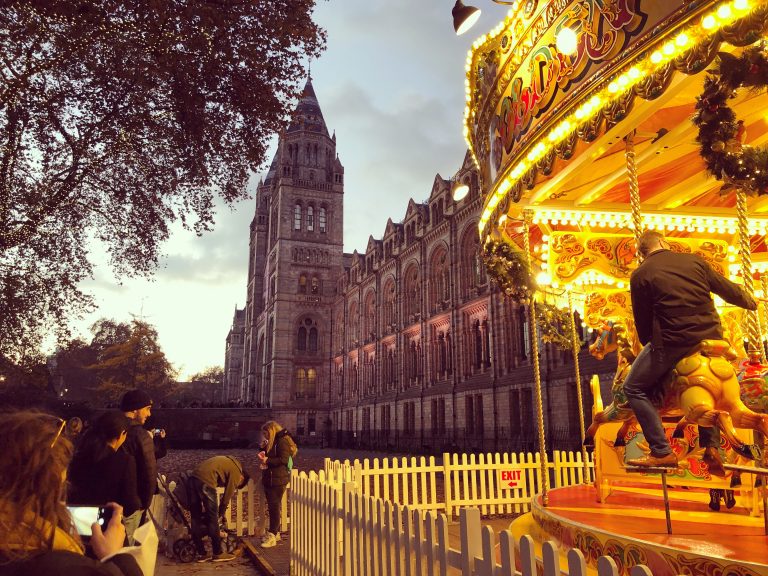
x=284 y=521
x=470 y=530
x=447 y=485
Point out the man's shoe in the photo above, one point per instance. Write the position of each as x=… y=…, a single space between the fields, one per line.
x=714 y=499
x=223 y=557
x=270 y=540
x=651 y=461
x=713 y=461
x=202 y=558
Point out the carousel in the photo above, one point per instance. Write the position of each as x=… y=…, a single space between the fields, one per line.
x=591 y=121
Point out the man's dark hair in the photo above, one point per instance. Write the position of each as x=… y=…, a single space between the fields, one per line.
x=647 y=241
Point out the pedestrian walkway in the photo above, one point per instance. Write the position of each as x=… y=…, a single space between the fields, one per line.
x=241 y=566
x=276 y=561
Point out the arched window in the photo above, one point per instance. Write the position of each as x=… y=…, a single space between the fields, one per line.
x=301 y=382
x=321 y=217
x=370 y=314
x=412 y=290
x=478 y=344
x=303 y=284
x=297 y=217
x=315 y=285
x=439 y=285
x=472 y=269
x=389 y=316
x=311 y=382
x=301 y=339
x=312 y=339
x=310 y=219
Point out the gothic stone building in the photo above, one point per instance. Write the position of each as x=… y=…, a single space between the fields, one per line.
x=407 y=346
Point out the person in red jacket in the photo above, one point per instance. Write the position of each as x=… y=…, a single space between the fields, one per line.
x=673 y=311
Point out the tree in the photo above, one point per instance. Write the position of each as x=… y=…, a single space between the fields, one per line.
x=133 y=362
x=119 y=118
x=213 y=375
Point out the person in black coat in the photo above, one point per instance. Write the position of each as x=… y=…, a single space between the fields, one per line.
x=278 y=449
x=101 y=471
x=673 y=311
x=38 y=533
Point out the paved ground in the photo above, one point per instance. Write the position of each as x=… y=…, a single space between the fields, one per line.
x=242 y=566
x=275 y=559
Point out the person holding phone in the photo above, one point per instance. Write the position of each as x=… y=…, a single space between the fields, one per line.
x=101 y=471
x=38 y=532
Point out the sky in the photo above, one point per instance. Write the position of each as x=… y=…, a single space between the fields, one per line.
x=391 y=85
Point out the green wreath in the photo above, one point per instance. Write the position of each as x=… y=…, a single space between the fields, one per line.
x=721 y=134
x=509 y=269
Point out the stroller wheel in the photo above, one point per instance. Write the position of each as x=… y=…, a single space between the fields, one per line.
x=177 y=546
x=186 y=550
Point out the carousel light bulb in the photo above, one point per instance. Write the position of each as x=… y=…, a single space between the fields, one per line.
x=542 y=279
x=724 y=12
x=656 y=57
x=741 y=4
x=566 y=41
x=708 y=22
x=682 y=39
x=668 y=48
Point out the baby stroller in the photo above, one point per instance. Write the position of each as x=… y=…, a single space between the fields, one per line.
x=179 y=523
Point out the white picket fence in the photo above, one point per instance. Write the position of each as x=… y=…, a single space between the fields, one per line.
x=246 y=514
x=461 y=480
x=337 y=531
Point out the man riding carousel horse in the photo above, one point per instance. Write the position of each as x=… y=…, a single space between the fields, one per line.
x=678 y=327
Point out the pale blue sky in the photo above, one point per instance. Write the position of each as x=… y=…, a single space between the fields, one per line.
x=391 y=84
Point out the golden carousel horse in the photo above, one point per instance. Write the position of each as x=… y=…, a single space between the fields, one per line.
x=703 y=388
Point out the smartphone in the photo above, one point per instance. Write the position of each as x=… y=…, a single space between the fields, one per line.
x=84 y=516
x=156 y=432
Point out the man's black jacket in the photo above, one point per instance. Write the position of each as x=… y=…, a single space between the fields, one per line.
x=675 y=288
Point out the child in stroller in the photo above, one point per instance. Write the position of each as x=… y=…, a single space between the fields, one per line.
x=179 y=530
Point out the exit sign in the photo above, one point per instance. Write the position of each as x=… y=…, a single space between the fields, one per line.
x=511 y=478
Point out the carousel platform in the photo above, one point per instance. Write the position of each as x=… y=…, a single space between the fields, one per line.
x=630 y=526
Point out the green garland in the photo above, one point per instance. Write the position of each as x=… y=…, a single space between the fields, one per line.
x=721 y=134
x=509 y=269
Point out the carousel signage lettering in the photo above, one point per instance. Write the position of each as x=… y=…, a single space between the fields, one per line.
x=603 y=29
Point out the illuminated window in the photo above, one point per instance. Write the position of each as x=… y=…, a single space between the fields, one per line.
x=297 y=217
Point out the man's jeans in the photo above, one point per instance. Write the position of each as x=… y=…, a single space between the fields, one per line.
x=204 y=510
x=649 y=371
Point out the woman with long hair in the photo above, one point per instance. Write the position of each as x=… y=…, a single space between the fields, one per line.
x=37 y=533
x=101 y=471
x=278 y=448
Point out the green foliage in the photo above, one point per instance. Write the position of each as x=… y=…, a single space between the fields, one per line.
x=721 y=135
x=133 y=362
x=119 y=118
x=121 y=356
x=213 y=375
x=509 y=269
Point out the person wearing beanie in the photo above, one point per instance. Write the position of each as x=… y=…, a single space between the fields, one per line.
x=137 y=406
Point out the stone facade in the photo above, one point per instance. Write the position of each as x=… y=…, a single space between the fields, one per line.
x=407 y=346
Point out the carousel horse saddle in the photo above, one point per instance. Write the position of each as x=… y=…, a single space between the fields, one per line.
x=708 y=359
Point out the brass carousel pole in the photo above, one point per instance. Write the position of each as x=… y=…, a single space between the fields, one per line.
x=576 y=346
x=764 y=282
x=527 y=216
x=634 y=187
x=745 y=254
